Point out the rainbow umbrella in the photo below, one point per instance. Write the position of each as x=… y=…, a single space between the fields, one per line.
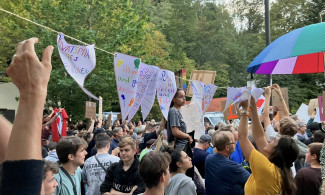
x=299 y=51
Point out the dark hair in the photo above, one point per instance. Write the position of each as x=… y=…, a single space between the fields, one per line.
x=315 y=148
x=319 y=136
x=50 y=166
x=152 y=166
x=175 y=157
x=52 y=145
x=81 y=127
x=87 y=136
x=285 y=153
x=69 y=145
x=178 y=90
x=101 y=140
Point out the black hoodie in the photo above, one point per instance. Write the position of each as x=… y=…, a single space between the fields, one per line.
x=123 y=181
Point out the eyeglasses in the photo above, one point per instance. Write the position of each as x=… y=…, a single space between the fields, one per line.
x=231 y=143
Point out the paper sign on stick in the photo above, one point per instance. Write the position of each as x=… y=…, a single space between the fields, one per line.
x=145 y=74
x=90 y=110
x=126 y=75
x=197 y=98
x=302 y=112
x=149 y=96
x=78 y=60
x=208 y=93
x=166 y=89
x=193 y=119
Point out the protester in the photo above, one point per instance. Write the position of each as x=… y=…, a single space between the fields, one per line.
x=148 y=148
x=151 y=132
x=154 y=170
x=31 y=77
x=301 y=133
x=71 y=152
x=118 y=134
x=309 y=179
x=200 y=154
x=49 y=183
x=123 y=176
x=53 y=156
x=222 y=175
x=131 y=131
x=274 y=165
x=95 y=167
x=176 y=127
x=179 y=183
x=313 y=127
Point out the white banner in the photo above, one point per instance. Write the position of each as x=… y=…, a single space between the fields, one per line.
x=78 y=60
x=166 y=89
x=193 y=119
x=126 y=75
x=197 y=98
x=145 y=75
x=149 y=96
x=209 y=91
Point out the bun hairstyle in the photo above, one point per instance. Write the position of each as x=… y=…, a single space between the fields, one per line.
x=177 y=91
x=285 y=153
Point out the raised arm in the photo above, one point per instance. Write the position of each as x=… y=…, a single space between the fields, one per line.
x=245 y=145
x=257 y=129
x=266 y=110
x=31 y=77
x=283 y=109
x=5 y=131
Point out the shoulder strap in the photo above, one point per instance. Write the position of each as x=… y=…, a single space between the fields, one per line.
x=100 y=164
x=68 y=175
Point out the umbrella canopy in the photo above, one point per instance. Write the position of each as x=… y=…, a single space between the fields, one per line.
x=299 y=51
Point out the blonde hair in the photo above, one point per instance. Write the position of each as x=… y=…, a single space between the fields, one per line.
x=127 y=140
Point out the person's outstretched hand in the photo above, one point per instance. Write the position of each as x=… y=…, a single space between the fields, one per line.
x=28 y=73
x=277 y=89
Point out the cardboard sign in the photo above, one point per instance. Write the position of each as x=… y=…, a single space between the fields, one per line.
x=180 y=77
x=276 y=99
x=313 y=103
x=205 y=76
x=100 y=109
x=109 y=119
x=90 y=109
x=193 y=119
x=145 y=74
x=230 y=113
x=126 y=75
x=166 y=89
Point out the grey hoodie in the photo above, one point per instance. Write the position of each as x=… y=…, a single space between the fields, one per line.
x=180 y=184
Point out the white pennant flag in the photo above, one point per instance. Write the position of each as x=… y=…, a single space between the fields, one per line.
x=149 y=96
x=126 y=75
x=209 y=91
x=166 y=89
x=197 y=98
x=145 y=75
x=78 y=60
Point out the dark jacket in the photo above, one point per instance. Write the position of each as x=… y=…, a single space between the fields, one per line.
x=123 y=181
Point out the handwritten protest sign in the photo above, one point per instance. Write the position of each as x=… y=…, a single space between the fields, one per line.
x=197 y=98
x=232 y=95
x=302 y=112
x=126 y=75
x=78 y=60
x=166 y=89
x=208 y=93
x=145 y=74
x=149 y=96
x=193 y=119
x=90 y=110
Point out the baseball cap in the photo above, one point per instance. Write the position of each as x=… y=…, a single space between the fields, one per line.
x=205 y=138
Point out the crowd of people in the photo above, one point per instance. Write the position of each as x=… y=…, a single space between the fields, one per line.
x=259 y=155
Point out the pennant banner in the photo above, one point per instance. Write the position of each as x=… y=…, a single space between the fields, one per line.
x=232 y=95
x=197 y=98
x=166 y=89
x=78 y=60
x=126 y=75
x=145 y=74
x=208 y=93
x=149 y=96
